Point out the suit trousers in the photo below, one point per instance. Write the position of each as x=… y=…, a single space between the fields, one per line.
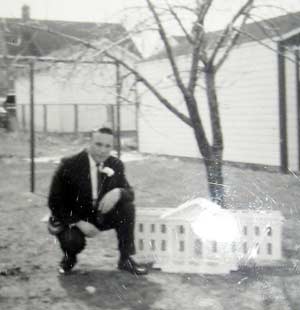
x=121 y=218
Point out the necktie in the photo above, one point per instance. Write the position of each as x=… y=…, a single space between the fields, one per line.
x=99 y=215
x=99 y=179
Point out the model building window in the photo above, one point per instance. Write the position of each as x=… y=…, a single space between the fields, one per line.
x=257 y=247
x=163 y=245
x=245 y=247
x=269 y=248
x=152 y=245
x=141 y=244
x=181 y=246
x=181 y=229
x=233 y=247
x=198 y=247
x=269 y=231
x=214 y=247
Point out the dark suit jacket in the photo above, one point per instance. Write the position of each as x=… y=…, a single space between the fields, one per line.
x=70 y=197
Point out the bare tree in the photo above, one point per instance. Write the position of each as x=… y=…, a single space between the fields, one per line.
x=208 y=60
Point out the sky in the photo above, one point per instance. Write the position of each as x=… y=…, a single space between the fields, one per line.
x=76 y=10
x=104 y=11
x=121 y=11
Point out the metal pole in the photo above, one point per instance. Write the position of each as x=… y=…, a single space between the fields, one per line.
x=23 y=107
x=45 y=110
x=282 y=109
x=137 y=113
x=297 y=57
x=76 y=118
x=32 y=137
x=118 y=99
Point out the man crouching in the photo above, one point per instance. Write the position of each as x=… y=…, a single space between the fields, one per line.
x=89 y=191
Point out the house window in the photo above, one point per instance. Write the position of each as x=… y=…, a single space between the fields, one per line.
x=163 y=245
x=245 y=247
x=141 y=227
x=245 y=230
x=141 y=244
x=152 y=228
x=198 y=247
x=269 y=231
x=257 y=231
x=269 y=248
x=152 y=245
x=181 y=246
x=214 y=247
x=181 y=229
x=163 y=228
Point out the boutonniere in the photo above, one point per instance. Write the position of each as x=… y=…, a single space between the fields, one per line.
x=108 y=171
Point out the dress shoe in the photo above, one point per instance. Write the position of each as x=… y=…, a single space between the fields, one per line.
x=67 y=264
x=131 y=266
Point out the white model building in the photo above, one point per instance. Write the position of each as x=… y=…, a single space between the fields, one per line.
x=200 y=237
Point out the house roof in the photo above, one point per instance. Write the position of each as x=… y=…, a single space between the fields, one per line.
x=268 y=28
x=191 y=210
x=31 y=42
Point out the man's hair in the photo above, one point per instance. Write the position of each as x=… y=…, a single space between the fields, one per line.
x=105 y=130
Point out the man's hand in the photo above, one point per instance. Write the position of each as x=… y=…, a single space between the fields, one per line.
x=109 y=200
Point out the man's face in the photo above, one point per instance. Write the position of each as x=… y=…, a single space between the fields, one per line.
x=101 y=146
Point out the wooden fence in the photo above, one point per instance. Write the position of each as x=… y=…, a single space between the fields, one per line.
x=76 y=118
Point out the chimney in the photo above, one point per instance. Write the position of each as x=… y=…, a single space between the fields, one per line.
x=25 y=13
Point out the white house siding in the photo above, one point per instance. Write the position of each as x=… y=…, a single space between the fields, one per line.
x=91 y=87
x=291 y=109
x=248 y=96
x=91 y=116
x=161 y=132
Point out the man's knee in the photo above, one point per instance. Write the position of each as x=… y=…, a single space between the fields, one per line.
x=89 y=230
x=126 y=208
x=72 y=240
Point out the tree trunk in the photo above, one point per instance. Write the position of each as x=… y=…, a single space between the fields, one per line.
x=214 y=158
x=213 y=165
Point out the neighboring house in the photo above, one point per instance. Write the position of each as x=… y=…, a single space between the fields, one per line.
x=63 y=85
x=20 y=40
x=77 y=96
x=258 y=92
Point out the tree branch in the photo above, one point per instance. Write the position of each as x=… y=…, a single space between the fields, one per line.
x=204 y=8
x=178 y=20
x=230 y=46
x=228 y=29
x=154 y=91
x=198 y=36
x=168 y=48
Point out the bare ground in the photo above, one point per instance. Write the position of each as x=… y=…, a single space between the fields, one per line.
x=29 y=256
